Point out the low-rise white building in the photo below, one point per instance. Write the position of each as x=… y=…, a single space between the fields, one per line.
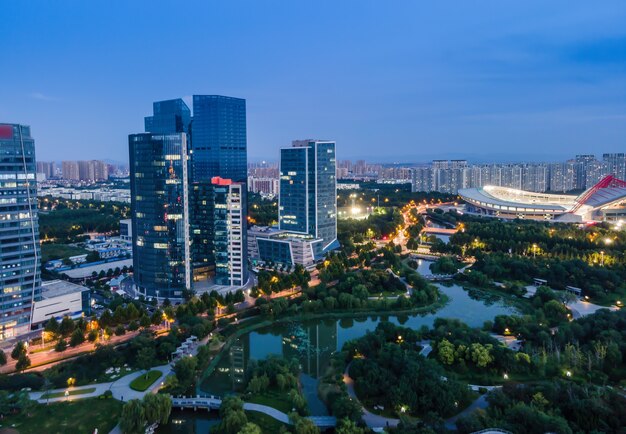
x=60 y=298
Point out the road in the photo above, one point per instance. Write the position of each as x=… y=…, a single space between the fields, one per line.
x=45 y=359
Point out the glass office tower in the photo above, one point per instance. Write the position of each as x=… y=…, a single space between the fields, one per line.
x=308 y=190
x=160 y=204
x=20 y=257
x=219 y=141
x=170 y=116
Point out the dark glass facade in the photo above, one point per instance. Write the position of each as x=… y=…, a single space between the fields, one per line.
x=20 y=263
x=160 y=204
x=201 y=211
x=171 y=116
x=308 y=190
x=219 y=141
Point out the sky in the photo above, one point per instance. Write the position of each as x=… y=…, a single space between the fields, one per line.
x=390 y=81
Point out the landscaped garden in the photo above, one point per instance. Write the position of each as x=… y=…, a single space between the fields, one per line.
x=144 y=381
x=80 y=416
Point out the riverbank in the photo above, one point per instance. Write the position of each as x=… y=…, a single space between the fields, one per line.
x=256 y=323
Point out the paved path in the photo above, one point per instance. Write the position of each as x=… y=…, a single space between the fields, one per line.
x=120 y=388
x=581 y=308
x=481 y=402
x=371 y=420
x=309 y=390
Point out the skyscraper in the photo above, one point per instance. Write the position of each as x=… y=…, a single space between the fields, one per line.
x=615 y=164
x=229 y=230
x=160 y=204
x=219 y=140
x=218 y=150
x=70 y=170
x=20 y=280
x=308 y=190
x=170 y=116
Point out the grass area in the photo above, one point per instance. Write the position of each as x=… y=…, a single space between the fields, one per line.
x=144 y=381
x=268 y=424
x=50 y=251
x=272 y=398
x=81 y=416
x=71 y=392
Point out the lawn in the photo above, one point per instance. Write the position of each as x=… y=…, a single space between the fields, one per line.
x=144 y=381
x=272 y=398
x=268 y=424
x=82 y=416
x=72 y=393
x=50 y=251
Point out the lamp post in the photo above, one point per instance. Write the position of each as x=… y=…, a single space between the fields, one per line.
x=535 y=251
x=602 y=258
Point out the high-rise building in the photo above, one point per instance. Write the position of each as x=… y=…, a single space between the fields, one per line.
x=229 y=230
x=70 y=171
x=93 y=170
x=219 y=140
x=171 y=116
x=308 y=190
x=48 y=168
x=218 y=150
x=615 y=164
x=20 y=257
x=160 y=204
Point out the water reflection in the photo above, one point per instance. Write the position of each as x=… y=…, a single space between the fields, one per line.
x=313 y=343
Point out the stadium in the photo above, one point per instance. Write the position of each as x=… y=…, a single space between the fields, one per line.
x=605 y=201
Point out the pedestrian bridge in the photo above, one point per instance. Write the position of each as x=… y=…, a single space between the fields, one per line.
x=214 y=402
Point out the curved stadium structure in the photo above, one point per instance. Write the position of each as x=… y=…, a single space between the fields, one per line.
x=604 y=201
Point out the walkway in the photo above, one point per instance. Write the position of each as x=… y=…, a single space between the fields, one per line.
x=371 y=420
x=120 y=388
x=213 y=402
x=581 y=308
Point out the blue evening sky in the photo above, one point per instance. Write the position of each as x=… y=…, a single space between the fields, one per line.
x=388 y=80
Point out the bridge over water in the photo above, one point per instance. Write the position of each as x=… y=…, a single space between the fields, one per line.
x=214 y=402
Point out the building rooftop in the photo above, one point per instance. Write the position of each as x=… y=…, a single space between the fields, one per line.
x=57 y=288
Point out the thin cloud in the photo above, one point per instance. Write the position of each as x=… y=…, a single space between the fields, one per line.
x=41 y=97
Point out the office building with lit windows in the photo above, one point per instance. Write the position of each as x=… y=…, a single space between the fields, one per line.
x=308 y=190
x=20 y=257
x=160 y=206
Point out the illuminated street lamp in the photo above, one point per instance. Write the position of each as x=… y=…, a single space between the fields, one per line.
x=602 y=258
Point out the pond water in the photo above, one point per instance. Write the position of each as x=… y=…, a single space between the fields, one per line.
x=189 y=422
x=314 y=342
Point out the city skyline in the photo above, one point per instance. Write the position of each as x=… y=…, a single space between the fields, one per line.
x=498 y=85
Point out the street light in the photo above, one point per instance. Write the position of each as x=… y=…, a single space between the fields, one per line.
x=602 y=258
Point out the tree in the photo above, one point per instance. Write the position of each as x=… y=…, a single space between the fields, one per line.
x=120 y=330
x=3 y=358
x=19 y=350
x=77 y=338
x=185 y=370
x=232 y=414
x=157 y=408
x=250 y=428
x=92 y=256
x=23 y=362
x=157 y=317
x=92 y=336
x=145 y=358
x=52 y=326
x=445 y=352
x=133 y=419
x=106 y=319
x=306 y=426
x=60 y=346
x=66 y=327
x=144 y=321
x=481 y=355
x=346 y=426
